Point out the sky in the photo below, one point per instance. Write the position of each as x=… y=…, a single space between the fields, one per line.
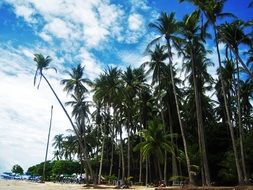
x=94 y=33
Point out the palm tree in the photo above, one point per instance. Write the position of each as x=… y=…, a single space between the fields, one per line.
x=76 y=82
x=43 y=64
x=80 y=107
x=49 y=131
x=58 y=145
x=168 y=28
x=107 y=89
x=80 y=112
x=212 y=9
x=130 y=88
x=232 y=35
x=155 y=143
x=194 y=53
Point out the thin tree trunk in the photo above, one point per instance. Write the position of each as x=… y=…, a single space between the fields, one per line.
x=140 y=169
x=231 y=127
x=122 y=157
x=48 y=137
x=112 y=152
x=101 y=160
x=181 y=126
x=128 y=151
x=240 y=124
x=72 y=124
x=201 y=133
x=146 y=180
x=119 y=166
x=159 y=170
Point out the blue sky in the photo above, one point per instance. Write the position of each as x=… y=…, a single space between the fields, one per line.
x=95 y=33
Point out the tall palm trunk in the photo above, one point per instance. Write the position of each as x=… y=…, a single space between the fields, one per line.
x=146 y=180
x=112 y=140
x=86 y=155
x=101 y=160
x=122 y=156
x=72 y=124
x=240 y=123
x=173 y=157
x=201 y=133
x=231 y=127
x=112 y=153
x=140 y=168
x=128 y=148
x=180 y=120
x=48 y=137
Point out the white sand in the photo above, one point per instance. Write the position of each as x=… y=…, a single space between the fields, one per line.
x=25 y=185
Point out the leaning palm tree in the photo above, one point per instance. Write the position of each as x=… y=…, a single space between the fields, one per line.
x=168 y=28
x=43 y=64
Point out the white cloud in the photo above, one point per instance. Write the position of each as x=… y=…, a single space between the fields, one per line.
x=25 y=111
x=135 y=22
x=59 y=28
x=72 y=29
x=25 y=12
x=46 y=37
x=137 y=4
x=92 y=66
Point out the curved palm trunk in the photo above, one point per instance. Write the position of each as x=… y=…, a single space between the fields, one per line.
x=48 y=137
x=180 y=121
x=231 y=127
x=201 y=133
x=72 y=124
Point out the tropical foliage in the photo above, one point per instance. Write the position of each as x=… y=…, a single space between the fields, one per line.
x=167 y=119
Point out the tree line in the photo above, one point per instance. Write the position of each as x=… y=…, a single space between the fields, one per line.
x=192 y=127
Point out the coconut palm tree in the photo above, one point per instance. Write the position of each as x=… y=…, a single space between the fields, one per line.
x=77 y=82
x=155 y=143
x=213 y=10
x=43 y=64
x=58 y=145
x=232 y=34
x=131 y=84
x=48 y=137
x=168 y=28
x=107 y=89
x=194 y=54
x=157 y=65
x=81 y=112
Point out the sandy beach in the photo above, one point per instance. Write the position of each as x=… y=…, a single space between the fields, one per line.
x=26 y=185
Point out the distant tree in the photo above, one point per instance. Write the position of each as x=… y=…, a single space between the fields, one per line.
x=17 y=169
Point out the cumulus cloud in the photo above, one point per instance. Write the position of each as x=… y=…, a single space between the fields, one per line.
x=25 y=111
x=69 y=32
x=135 y=22
x=92 y=66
